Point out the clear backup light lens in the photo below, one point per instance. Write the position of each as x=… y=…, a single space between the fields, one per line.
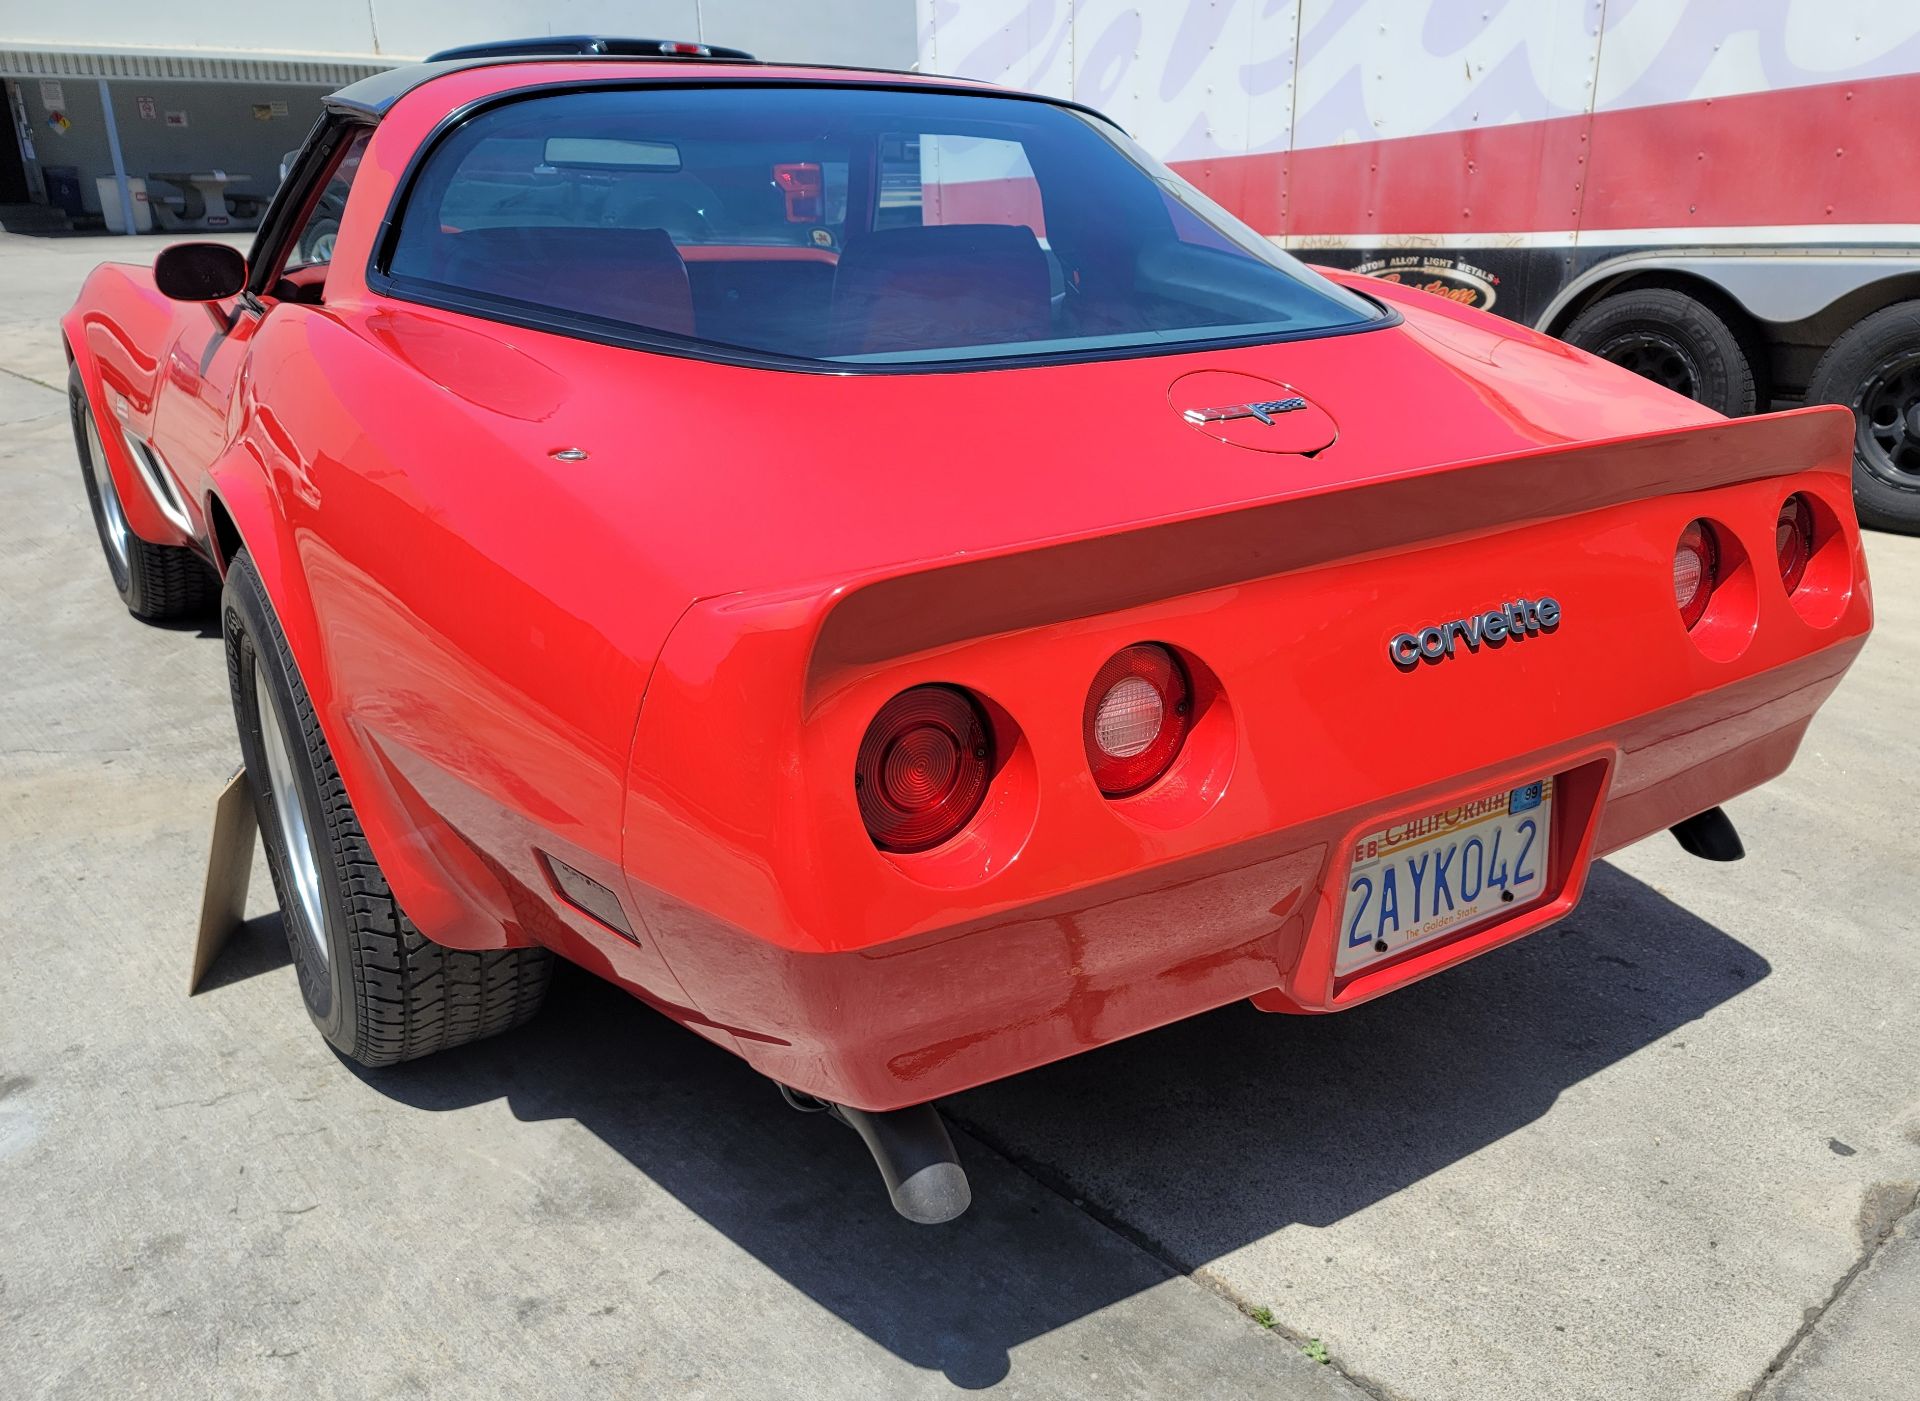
x=1129 y=718
x=1137 y=716
x=923 y=767
x=1695 y=561
x=1793 y=540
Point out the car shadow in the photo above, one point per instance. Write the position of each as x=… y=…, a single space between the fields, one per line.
x=205 y=629
x=1328 y=1115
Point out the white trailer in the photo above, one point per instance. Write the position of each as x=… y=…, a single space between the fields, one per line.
x=1721 y=195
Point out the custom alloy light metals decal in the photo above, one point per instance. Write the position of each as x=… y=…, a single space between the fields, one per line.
x=1453 y=278
x=1515 y=621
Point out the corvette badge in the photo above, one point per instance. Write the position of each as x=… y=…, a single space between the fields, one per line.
x=1520 y=619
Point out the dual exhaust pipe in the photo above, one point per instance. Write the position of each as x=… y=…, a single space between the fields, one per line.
x=913 y=1151
x=1710 y=836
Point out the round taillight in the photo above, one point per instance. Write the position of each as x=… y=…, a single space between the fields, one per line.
x=1696 y=562
x=922 y=768
x=1793 y=539
x=1138 y=712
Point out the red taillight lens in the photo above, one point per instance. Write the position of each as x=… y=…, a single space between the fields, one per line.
x=801 y=183
x=1793 y=539
x=1137 y=715
x=1696 y=563
x=922 y=768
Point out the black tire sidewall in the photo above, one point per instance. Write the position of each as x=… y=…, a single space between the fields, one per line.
x=1718 y=360
x=312 y=236
x=80 y=411
x=254 y=640
x=1842 y=377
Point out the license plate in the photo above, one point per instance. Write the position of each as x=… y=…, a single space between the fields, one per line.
x=1444 y=872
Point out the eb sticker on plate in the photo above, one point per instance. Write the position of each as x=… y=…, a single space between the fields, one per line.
x=1444 y=872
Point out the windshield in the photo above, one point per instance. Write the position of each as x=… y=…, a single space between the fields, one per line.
x=845 y=225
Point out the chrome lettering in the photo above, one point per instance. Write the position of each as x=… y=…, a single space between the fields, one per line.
x=1513 y=621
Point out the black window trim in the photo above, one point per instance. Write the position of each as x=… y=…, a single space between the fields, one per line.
x=607 y=331
x=312 y=170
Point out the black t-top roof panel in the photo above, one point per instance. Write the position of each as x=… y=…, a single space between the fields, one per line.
x=548 y=45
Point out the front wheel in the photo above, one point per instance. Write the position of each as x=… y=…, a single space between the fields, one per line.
x=379 y=990
x=1874 y=369
x=316 y=244
x=158 y=583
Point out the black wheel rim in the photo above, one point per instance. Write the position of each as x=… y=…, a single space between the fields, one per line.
x=1886 y=416
x=1656 y=357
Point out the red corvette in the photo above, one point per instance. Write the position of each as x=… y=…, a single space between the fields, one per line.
x=888 y=574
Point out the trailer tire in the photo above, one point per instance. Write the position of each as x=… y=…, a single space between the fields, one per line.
x=377 y=988
x=158 y=583
x=1873 y=368
x=1674 y=340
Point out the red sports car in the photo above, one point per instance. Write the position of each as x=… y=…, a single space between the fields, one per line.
x=885 y=572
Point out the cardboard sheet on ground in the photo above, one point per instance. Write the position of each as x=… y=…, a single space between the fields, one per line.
x=223 y=904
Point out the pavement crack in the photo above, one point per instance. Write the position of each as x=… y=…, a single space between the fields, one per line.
x=29 y=379
x=1883 y=1232
x=1060 y=1186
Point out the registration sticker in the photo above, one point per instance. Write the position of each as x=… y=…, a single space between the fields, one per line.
x=1444 y=872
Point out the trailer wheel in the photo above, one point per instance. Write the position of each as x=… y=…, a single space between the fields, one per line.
x=158 y=583
x=1674 y=340
x=1874 y=369
x=377 y=988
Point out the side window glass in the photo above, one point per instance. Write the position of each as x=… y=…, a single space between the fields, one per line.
x=313 y=245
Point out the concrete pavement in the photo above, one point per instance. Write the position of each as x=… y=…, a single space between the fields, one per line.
x=1668 y=1149
x=1862 y=1348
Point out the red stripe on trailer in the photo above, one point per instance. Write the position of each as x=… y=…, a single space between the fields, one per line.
x=1744 y=161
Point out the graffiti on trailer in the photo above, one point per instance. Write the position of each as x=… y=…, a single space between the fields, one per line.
x=1239 y=76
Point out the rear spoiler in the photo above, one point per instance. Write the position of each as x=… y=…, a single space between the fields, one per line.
x=921 y=608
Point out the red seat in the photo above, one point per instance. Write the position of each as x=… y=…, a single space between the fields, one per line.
x=942 y=285
x=632 y=275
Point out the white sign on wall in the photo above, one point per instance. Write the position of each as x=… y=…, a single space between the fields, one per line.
x=53 y=97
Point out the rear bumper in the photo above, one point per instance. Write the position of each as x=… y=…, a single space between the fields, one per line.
x=1060 y=920
x=937 y=1013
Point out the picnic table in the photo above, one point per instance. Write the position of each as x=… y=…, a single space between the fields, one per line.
x=203 y=201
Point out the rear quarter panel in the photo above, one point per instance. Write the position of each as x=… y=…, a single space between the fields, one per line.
x=482 y=629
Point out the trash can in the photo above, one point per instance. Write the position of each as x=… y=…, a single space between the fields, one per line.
x=110 y=204
x=63 y=189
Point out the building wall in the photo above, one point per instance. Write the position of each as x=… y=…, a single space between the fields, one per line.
x=874 y=32
x=222 y=130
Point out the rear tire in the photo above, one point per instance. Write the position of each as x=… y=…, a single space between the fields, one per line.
x=379 y=990
x=158 y=583
x=1874 y=369
x=1674 y=340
